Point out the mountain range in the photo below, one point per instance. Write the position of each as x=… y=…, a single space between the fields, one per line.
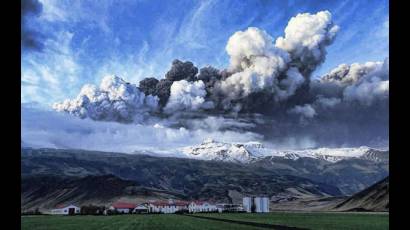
x=349 y=169
x=54 y=176
x=249 y=152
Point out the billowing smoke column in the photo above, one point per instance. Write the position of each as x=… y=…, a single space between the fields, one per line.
x=363 y=83
x=162 y=88
x=279 y=68
x=209 y=75
x=256 y=64
x=353 y=100
x=148 y=86
x=265 y=76
x=114 y=100
x=181 y=71
x=187 y=96
x=306 y=38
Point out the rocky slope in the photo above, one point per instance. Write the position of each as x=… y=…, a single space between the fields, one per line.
x=374 y=198
x=349 y=175
x=172 y=177
x=45 y=192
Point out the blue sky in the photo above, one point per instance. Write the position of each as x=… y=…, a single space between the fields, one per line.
x=86 y=40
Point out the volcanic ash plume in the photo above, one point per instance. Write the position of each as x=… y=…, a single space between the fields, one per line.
x=187 y=96
x=267 y=86
x=280 y=68
x=114 y=100
x=306 y=38
x=364 y=83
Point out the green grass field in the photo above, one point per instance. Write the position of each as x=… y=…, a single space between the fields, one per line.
x=123 y=222
x=168 y=221
x=318 y=221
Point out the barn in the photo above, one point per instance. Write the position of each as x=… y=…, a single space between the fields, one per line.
x=66 y=210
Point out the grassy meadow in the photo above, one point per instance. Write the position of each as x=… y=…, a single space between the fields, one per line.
x=318 y=221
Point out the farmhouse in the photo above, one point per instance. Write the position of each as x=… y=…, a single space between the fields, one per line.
x=123 y=207
x=256 y=204
x=167 y=206
x=201 y=206
x=66 y=210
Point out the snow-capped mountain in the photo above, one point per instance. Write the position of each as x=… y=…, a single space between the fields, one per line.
x=232 y=152
x=251 y=151
x=328 y=154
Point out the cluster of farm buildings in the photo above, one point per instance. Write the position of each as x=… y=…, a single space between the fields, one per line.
x=250 y=204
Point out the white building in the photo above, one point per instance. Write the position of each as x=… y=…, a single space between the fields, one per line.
x=66 y=210
x=167 y=206
x=201 y=206
x=256 y=204
x=141 y=208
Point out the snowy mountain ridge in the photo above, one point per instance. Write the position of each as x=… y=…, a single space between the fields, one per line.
x=251 y=151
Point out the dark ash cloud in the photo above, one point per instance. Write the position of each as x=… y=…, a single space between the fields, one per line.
x=181 y=71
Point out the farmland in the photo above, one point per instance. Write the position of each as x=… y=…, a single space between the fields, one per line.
x=318 y=221
x=300 y=220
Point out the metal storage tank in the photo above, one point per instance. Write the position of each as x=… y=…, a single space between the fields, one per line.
x=265 y=204
x=247 y=204
x=258 y=204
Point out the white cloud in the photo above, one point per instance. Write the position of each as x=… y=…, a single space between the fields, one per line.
x=114 y=100
x=364 y=83
x=348 y=74
x=187 y=96
x=259 y=64
x=306 y=37
x=255 y=60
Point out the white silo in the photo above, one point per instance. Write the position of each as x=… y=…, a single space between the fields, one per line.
x=247 y=204
x=265 y=204
x=258 y=204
